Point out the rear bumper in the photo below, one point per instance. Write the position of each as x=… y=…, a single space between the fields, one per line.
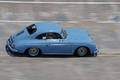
x=11 y=49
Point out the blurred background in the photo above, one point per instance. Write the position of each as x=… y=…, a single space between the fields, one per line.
x=101 y=18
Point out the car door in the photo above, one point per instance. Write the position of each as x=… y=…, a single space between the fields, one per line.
x=41 y=42
x=56 y=45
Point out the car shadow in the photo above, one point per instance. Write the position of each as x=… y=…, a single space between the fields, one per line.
x=12 y=54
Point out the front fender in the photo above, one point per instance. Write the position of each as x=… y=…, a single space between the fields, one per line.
x=91 y=47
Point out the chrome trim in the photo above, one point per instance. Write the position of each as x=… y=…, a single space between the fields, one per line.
x=96 y=50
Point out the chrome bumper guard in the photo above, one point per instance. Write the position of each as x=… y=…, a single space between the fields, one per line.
x=96 y=50
x=8 y=44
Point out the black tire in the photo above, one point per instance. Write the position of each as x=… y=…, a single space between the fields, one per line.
x=81 y=51
x=33 y=52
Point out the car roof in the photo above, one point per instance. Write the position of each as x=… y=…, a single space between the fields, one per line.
x=43 y=27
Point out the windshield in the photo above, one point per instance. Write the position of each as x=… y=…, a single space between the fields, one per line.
x=63 y=34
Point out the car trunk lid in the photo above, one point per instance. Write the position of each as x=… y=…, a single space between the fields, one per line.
x=19 y=35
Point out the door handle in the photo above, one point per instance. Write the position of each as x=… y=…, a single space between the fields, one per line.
x=61 y=40
x=48 y=45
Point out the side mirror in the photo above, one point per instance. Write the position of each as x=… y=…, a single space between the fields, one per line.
x=44 y=38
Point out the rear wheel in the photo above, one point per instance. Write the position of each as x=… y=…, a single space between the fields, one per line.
x=33 y=52
x=82 y=51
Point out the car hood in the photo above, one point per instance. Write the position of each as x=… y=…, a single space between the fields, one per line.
x=78 y=35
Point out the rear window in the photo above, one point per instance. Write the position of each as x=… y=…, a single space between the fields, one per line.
x=31 y=29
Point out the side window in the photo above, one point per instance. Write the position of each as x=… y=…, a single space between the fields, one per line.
x=41 y=36
x=53 y=36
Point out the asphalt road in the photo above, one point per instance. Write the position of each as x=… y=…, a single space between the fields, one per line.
x=60 y=68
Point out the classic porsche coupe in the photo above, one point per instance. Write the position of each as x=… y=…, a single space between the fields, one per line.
x=50 y=38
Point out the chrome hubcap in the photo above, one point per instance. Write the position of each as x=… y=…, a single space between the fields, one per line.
x=33 y=51
x=82 y=51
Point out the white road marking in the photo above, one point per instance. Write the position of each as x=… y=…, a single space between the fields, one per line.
x=37 y=2
x=11 y=21
x=107 y=22
x=26 y=21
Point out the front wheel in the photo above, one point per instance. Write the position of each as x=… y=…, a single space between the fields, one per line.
x=33 y=52
x=82 y=51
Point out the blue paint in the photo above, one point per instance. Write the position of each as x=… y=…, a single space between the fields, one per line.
x=75 y=37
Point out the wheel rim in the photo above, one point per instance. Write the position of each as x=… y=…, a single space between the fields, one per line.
x=33 y=51
x=82 y=51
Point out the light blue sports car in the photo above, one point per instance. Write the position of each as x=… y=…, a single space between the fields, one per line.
x=50 y=38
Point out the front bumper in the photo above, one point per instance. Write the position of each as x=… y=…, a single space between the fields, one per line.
x=96 y=50
x=12 y=49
